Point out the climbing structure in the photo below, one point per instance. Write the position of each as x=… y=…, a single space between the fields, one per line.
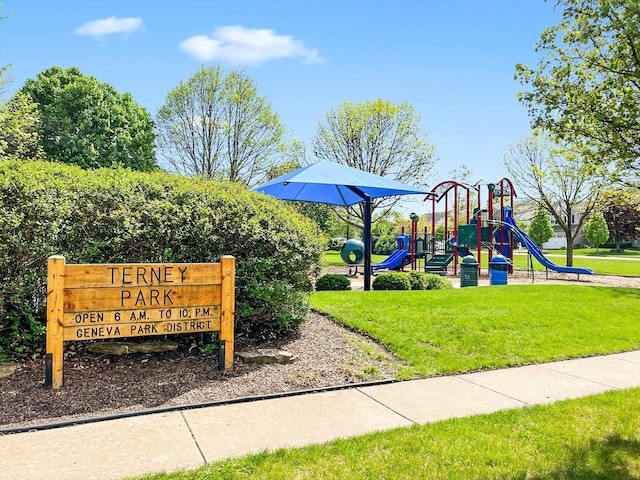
x=502 y=236
x=448 y=250
x=473 y=228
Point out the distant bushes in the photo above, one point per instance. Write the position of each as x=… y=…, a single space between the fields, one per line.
x=418 y=280
x=436 y=282
x=412 y=280
x=391 y=281
x=333 y=281
x=114 y=215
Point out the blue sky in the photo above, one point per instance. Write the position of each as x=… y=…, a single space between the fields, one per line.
x=452 y=60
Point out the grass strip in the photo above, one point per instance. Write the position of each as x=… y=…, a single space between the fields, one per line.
x=587 y=438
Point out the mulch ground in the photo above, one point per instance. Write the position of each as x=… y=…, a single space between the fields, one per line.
x=106 y=384
x=100 y=383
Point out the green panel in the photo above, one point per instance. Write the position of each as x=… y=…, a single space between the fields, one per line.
x=467 y=234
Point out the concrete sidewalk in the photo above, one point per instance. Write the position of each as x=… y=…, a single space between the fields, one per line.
x=188 y=439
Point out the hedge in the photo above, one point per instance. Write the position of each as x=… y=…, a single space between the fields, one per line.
x=116 y=215
x=411 y=280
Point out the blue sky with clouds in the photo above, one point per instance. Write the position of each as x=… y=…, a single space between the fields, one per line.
x=453 y=60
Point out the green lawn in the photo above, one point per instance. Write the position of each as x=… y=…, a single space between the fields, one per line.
x=332 y=258
x=460 y=330
x=600 y=265
x=602 y=252
x=597 y=437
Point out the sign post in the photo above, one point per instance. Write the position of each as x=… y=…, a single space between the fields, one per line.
x=100 y=301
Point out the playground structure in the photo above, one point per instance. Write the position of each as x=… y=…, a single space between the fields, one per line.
x=480 y=228
x=467 y=230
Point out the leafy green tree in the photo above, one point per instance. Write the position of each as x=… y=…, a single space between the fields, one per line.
x=460 y=173
x=558 y=180
x=217 y=126
x=595 y=230
x=385 y=233
x=280 y=169
x=292 y=156
x=19 y=129
x=585 y=88
x=621 y=211
x=88 y=123
x=540 y=229
x=379 y=137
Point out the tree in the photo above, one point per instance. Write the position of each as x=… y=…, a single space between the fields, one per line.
x=19 y=129
x=621 y=211
x=18 y=122
x=540 y=229
x=217 y=126
x=595 y=231
x=385 y=233
x=585 y=89
x=378 y=137
x=88 y=123
x=292 y=155
x=461 y=174
x=557 y=180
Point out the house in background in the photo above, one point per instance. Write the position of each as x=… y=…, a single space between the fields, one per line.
x=525 y=210
x=559 y=239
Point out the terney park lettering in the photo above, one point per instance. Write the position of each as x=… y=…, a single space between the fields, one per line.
x=88 y=302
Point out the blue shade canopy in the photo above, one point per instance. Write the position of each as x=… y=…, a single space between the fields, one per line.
x=334 y=184
x=337 y=184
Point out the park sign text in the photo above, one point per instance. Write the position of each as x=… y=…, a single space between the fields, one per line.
x=100 y=301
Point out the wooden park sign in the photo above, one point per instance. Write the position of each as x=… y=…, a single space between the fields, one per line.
x=100 y=301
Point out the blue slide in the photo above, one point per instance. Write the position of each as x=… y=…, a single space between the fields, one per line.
x=393 y=261
x=510 y=224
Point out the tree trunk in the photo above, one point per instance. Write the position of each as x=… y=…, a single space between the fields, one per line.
x=569 y=250
x=618 y=250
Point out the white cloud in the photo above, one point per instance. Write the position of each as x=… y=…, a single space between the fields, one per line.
x=242 y=45
x=109 y=26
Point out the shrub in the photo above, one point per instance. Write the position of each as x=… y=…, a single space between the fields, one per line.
x=436 y=282
x=418 y=280
x=391 y=281
x=333 y=281
x=385 y=245
x=116 y=215
x=623 y=246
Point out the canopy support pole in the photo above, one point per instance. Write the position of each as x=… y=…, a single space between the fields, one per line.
x=366 y=234
x=367 y=242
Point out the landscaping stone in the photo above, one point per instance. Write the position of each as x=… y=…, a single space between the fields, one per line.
x=263 y=356
x=124 y=348
x=7 y=369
